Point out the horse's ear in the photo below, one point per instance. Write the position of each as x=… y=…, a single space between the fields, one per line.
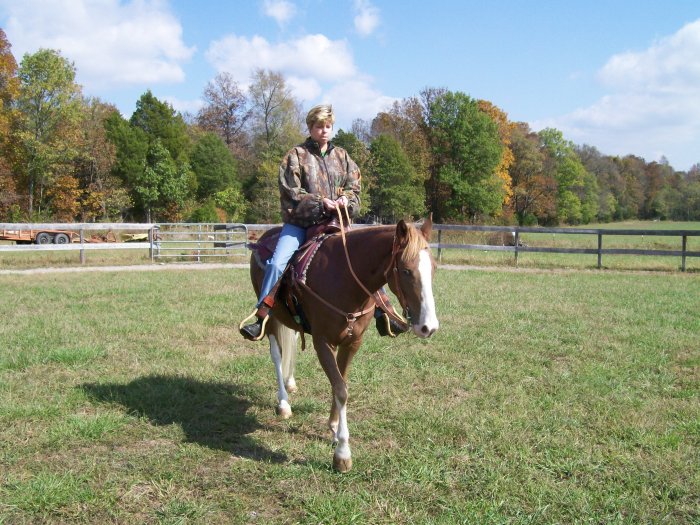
x=401 y=230
x=427 y=227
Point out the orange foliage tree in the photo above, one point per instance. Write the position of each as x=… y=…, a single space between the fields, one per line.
x=505 y=130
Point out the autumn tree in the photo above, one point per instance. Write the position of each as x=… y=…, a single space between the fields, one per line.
x=276 y=119
x=9 y=90
x=505 y=130
x=49 y=105
x=276 y=125
x=64 y=198
x=104 y=195
x=534 y=191
x=225 y=111
x=631 y=197
x=610 y=182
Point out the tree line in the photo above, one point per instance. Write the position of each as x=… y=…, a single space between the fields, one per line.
x=68 y=158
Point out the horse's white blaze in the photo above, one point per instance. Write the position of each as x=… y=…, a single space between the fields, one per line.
x=275 y=353
x=342 y=436
x=427 y=322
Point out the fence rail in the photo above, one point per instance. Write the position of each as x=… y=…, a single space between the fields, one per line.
x=517 y=247
x=200 y=241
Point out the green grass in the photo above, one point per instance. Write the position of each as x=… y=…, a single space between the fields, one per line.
x=546 y=397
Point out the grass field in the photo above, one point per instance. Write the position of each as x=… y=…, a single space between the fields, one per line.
x=546 y=397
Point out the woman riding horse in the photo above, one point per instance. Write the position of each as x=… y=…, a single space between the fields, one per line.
x=316 y=179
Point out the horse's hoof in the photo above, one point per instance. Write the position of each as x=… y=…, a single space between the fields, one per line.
x=284 y=410
x=342 y=465
x=291 y=386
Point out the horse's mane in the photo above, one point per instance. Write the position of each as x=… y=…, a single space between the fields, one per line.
x=415 y=243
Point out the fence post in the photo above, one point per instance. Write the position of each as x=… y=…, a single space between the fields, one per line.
x=517 y=242
x=600 y=250
x=684 y=249
x=439 y=248
x=151 y=240
x=82 y=246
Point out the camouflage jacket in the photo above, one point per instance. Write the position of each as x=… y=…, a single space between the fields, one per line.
x=306 y=177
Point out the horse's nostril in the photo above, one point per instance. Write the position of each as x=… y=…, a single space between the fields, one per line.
x=424 y=329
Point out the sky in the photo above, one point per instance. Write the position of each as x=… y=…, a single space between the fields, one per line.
x=620 y=75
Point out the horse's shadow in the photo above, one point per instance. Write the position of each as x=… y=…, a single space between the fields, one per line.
x=215 y=415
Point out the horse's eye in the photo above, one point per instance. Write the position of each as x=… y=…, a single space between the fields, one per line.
x=407 y=272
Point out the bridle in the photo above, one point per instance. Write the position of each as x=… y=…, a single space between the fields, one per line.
x=393 y=268
x=396 y=248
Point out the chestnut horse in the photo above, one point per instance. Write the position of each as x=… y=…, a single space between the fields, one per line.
x=336 y=303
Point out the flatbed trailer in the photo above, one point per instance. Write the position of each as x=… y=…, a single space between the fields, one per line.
x=39 y=236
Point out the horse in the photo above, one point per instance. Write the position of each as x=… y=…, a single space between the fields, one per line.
x=338 y=307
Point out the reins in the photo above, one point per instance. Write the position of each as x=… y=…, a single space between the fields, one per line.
x=395 y=248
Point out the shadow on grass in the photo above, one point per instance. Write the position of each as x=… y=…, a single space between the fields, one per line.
x=214 y=415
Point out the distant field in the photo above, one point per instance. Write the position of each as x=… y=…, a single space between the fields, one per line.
x=546 y=397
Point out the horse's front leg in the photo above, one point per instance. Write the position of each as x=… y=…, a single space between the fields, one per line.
x=338 y=422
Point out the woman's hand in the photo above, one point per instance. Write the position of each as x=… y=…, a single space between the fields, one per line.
x=342 y=201
x=329 y=204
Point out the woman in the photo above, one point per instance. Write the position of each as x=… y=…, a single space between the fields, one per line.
x=315 y=178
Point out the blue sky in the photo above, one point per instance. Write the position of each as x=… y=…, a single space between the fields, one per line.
x=621 y=75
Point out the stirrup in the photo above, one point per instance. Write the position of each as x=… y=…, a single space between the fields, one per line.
x=262 y=328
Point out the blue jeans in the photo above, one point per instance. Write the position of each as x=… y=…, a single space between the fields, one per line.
x=291 y=237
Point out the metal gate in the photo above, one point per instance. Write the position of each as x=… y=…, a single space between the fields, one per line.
x=198 y=241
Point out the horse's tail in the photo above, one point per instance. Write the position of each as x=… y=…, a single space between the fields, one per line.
x=287 y=341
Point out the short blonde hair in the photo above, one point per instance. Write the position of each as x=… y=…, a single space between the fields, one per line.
x=321 y=113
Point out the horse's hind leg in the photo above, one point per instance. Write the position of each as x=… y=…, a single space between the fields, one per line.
x=282 y=350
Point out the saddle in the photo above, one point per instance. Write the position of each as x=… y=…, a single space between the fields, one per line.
x=295 y=272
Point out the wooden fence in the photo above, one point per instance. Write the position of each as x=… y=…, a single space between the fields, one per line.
x=157 y=241
x=518 y=247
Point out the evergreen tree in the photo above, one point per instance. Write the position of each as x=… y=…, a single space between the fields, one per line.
x=160 y=121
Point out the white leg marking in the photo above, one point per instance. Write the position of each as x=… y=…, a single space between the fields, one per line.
x=291 y=385
x=427 y=322
x=342 y=450
x=283 y=407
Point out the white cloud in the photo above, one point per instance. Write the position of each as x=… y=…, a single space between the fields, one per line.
x=184 y=106
x=367 y=17
x=653 y=107
x=110 y=42
x=315 y=68
x=305 y=89
x=311 y=56
x=281 y=10
x=356 y=99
